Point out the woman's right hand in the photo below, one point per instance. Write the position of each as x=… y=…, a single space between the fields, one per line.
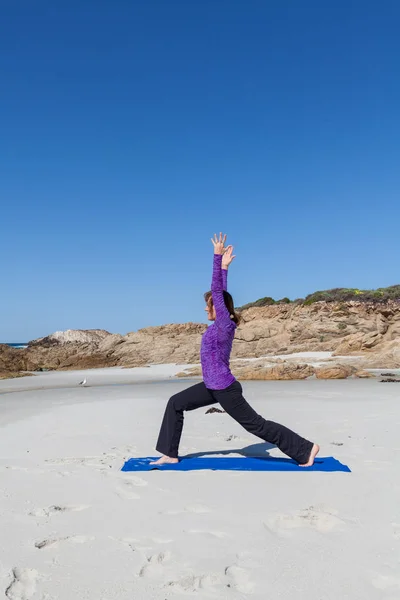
x=219 y=243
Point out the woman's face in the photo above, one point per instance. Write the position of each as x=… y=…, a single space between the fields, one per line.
x=210 y=310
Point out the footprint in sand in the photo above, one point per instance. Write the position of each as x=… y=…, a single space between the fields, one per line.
x=154 y=565
x=396 y=531
x=23 y=585
x=215 y=534
x=134 y=544
x=126 y=490
x=194 y=583
x=318 y=518
x=387 y=583
x=62 y=473
x=194 y=508
x=246 y=559
x=162 y=566
x=133 y=480
x=99 y=462
x=30 y=470
x=129 y=543
x=56 y=509
x=239 y=578
x=75 y=539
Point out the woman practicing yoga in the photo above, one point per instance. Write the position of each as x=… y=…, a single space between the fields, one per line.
x=219 y=385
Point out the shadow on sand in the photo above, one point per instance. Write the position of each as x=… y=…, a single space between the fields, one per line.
x=255 y=450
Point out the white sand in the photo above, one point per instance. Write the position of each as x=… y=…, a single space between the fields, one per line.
x=73 y=527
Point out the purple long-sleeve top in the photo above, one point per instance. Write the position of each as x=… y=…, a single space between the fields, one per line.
x=216 y=344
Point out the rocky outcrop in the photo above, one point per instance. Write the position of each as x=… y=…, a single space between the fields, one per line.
x=162 y=344
x=344 y=328
x=11 y=363
x=284 y=371
x=370 y=330
x=71 y=336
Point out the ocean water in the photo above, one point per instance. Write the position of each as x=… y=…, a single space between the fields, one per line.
x=16 y=344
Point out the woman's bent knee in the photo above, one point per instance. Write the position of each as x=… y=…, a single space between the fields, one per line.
x=171 y=401
x=175 y=403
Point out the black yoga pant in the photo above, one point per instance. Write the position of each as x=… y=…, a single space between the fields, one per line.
x=232 y=401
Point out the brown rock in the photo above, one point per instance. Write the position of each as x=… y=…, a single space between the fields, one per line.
x=371 y=339
x=66 y=356
x=109 y=343
x=382 y=362
x=364 y=374
x=336 y=372
x=11 y=359
x=11 y=375
x=192 y=372
x=85 y=361
x=386 y=357
x=285 y=371
x=382 y=324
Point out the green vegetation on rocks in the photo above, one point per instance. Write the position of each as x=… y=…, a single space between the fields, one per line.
x=335 y=295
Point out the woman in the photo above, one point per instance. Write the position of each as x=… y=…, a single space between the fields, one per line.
x=219 y=385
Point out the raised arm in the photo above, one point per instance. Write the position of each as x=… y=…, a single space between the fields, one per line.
x=217 y=292
x=219 y=278
x=227 y=258
x=224 y=271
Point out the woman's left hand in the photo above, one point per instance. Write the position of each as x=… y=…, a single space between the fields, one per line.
x=219 y=243
x=227 y=257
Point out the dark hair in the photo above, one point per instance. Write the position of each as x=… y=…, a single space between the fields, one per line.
x=228 y=303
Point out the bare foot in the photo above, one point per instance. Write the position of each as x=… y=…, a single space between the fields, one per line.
x=313 y=454
x=165 y=460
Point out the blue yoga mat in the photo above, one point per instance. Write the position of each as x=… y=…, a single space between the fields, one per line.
x=222 y=463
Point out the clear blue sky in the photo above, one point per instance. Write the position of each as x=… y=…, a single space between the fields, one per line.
x=131 y=131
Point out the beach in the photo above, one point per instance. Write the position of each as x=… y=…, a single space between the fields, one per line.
x=73 y=526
